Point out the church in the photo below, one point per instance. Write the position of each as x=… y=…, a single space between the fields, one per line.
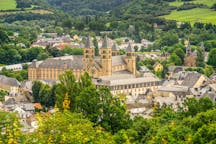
x=108 y=62
x=118 y=72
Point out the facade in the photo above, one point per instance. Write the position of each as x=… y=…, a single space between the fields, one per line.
x=9 y=84
x=108 y=62
x=118 y=72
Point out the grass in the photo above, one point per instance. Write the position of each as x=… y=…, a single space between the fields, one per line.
x=42 y=12
x=206 y=2
x=203 y=15
x=7 y=4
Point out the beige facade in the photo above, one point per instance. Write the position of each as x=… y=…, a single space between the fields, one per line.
x=104 y=65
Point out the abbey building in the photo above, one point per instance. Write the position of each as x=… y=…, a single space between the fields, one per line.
x=108 y=62
x=118 y=72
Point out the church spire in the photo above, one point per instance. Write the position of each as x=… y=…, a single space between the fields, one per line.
x=88 y=43
x=129 y=48
x=202 y=47
x=188 y=48
x=105 y=43
x=114 y=47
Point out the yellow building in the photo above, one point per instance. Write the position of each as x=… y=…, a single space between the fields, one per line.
x=158 y=67
x=118 y=72
x=108 y=62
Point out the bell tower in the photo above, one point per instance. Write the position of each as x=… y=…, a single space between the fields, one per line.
x=115 y=51
x=88 y=53
x=188 y=49
x=106 y=57
x=130 y=59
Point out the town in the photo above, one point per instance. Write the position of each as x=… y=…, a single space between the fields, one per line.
x=107 y=72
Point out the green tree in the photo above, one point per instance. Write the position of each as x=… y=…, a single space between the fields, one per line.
x=35 y=90
x=208 y=70
x=180 y=53
x=175 y=59
x=212 y=57
x=96 y=46
x=65 y=128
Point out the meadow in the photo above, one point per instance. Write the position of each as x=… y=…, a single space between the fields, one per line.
x=193 y=15
x=7 y=4
x=206 y=2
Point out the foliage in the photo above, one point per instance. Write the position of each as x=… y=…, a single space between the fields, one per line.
x=67 y=127
x=19 y=75
x=97 y=105
x=10 y=128
x=212 y=57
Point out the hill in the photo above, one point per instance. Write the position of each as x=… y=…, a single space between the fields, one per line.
x=201 y=12
x=7 y=4
x=86 y=7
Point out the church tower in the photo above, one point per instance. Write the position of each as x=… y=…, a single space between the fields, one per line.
x=88 y=53
x=115 y=51
x=106 y=57
x=130 y=59
x=202 y=47
x=188 y=49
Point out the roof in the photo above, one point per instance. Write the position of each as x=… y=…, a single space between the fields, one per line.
x=118 y=60
x=105 y=43
x=71 y=62
x=118 y=80
x=174 y=88
x=191 y=79
x=10 y=101
x=129 y=48
x=89 y=43
x=114 y=47
x=9 y=81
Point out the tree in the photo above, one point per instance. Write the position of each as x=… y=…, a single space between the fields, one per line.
x=35 y=90
x=208 y=70
x=3 y=37
x=67 y=23
x=212 y=57
x=67 y=85
x=67 y=127
x=175 y=59
x=180 y=53
x=96 y=46
x=200 y=58
x=214 y=6
x=169 y=39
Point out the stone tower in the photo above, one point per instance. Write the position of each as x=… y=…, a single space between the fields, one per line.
x=130 y=59
x=188 y=49
x=202 y=47
x=106 y=57
x=115 y=51
x=88 y=53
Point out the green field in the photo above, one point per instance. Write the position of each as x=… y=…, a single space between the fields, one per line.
x=193 y=15
x=206 y=2
x=7 y=4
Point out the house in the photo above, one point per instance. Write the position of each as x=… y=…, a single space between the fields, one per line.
x=158 y=67
x=195 y=80
x=9 y=84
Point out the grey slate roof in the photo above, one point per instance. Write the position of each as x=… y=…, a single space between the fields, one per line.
x=114 y=47
x=118 y=60
x=89 y=43
x=129 y=48
x=76 y=62
x=9 y=81
x=191 y=79
x=105 y=43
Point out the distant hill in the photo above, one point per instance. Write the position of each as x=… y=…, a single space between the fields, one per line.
x=202 y=13
x=86 y=7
